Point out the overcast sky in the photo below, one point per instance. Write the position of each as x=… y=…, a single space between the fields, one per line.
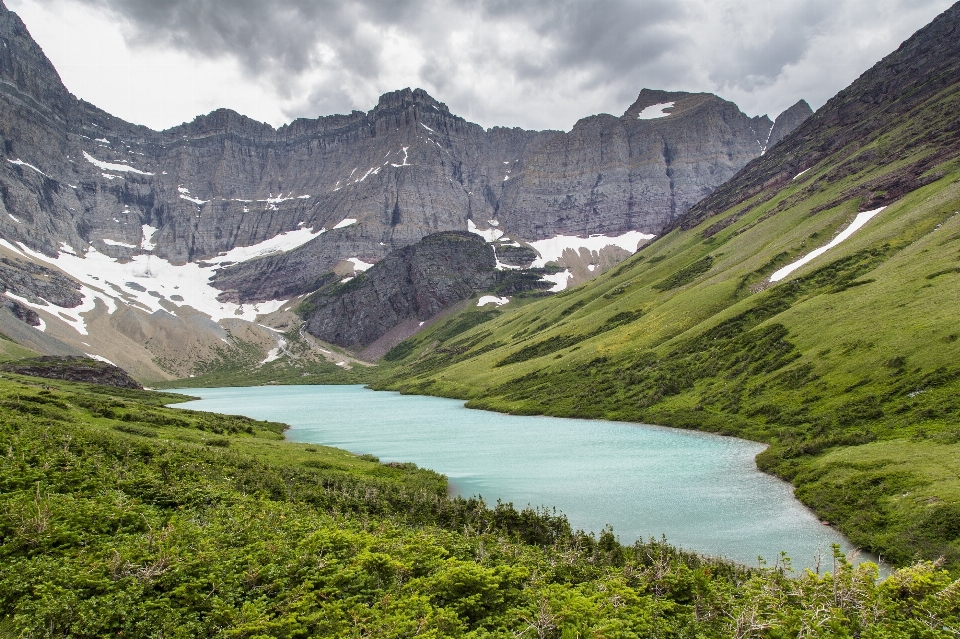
x=535 y=64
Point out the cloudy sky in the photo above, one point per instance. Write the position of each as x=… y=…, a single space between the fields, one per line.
x=531 y=63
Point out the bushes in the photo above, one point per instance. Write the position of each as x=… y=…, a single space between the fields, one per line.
x=107 y=534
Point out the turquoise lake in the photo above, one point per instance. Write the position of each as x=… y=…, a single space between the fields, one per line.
x=702 y=491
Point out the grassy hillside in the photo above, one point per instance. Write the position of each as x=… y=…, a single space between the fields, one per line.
x=119 y=517
x=849 y=367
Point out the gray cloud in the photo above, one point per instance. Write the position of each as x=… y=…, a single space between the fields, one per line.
x=541 y=63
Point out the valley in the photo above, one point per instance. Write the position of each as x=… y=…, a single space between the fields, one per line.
x=778 y=297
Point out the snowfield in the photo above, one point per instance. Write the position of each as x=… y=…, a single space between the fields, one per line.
x=108 y=282
x=857 y=223
x=490 y=235
x=655 y=111
x=552 y=248
x=493 y=299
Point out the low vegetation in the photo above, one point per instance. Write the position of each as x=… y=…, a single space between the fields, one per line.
x=121 y=517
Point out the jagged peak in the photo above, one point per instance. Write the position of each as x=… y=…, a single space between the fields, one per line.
x=219 y=121
x=404 y=98
x=25 y=65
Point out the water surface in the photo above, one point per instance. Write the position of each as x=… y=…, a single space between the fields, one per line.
x=702 y=491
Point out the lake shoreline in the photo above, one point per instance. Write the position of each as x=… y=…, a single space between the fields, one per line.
x=457 y=483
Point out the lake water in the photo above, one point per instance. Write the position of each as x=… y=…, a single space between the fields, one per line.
x=702 y=491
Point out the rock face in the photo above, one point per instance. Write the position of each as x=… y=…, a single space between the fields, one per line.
x=36 y=283
x=21 y=312
x=418 y=281
x=788 y=121
x=77 y=177
x=74 y=369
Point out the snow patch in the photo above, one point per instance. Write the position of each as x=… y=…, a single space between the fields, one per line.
x=148 y=232
x=274 y=353
x=99 y=358
x=801 y=173
x=405 y=157
x=493 y=299
x=655 y=111
x=426 y=127
x=20 y=162
x=560 y=280
x=857 y=223
x=195 y=200
x=552 y=248
x=109 y=166
x=13 y=218
x=490 y=235
x=116 y=243
x=359 y=265
x=277 y=244
x=346 y=222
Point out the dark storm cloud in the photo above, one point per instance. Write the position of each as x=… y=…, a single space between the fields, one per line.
x=266 y=37
x=562 y=47
x=281 y=37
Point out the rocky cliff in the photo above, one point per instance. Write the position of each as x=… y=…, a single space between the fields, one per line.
x=414 y=283
x=226 y=217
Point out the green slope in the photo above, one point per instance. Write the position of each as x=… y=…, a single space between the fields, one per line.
x=849 y=367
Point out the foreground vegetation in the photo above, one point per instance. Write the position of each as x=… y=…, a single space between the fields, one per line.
x=119 y=517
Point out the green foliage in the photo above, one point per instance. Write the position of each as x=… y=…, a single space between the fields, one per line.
x=686 y=275
x=107 y=532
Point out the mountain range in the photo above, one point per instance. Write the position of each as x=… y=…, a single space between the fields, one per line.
x=207 y=234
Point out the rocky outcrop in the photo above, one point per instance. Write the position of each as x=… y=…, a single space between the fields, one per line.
x=37 y=283
x=21 y=312
x=73 y=369
x=416 y=282
x=788 y=121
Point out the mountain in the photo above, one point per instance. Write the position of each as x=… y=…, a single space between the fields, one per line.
x=196 y=235
x=810 y=302
x=786 y=122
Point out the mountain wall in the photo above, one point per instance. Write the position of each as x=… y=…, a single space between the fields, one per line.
x=227 y=219
x=79 y=177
